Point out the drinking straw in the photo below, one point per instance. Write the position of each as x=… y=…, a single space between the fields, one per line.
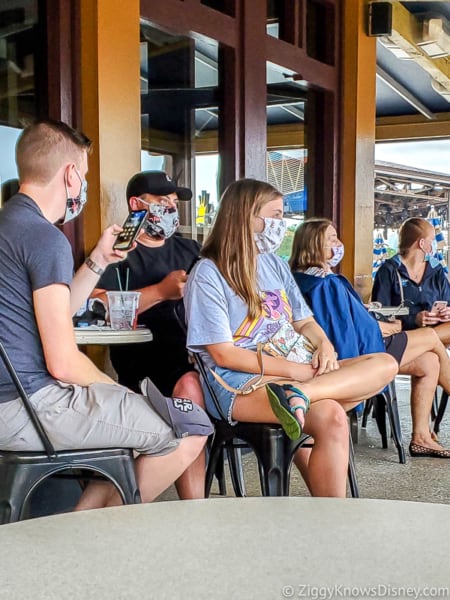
x=118 y=279
x=127 y=279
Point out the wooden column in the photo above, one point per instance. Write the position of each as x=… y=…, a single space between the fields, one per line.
x=110 y=107
x=243 y=129
x=357 y=149
x=110 y=113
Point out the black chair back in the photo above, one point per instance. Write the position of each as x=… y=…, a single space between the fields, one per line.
x=49 y=449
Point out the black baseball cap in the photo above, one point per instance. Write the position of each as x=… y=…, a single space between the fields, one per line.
x=157 y=183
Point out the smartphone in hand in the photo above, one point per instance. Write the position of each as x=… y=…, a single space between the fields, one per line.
x=131 y=229
x=439 y=306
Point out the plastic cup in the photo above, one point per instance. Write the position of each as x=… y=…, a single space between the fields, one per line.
x=123 y=309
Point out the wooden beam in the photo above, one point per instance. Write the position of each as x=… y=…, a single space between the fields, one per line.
x=412 y=127
x=186 y=17
x=406 y=32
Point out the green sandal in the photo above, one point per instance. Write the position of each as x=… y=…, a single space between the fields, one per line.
x=284 y=412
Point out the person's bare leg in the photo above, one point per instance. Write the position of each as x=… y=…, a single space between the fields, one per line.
x=191 y=484
x=154 y=474
x=443 y=331
x=96 y=495
x=350 y=384
x=327 y=422
x=424 y=373
x=424 y=340
x=325 y=472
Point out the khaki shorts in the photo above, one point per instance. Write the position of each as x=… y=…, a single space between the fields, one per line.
x=98 y=416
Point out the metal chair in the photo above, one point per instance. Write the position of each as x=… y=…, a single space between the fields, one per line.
x=22 y=472
x=440 y=411
x=274 y=451
x=386 y=401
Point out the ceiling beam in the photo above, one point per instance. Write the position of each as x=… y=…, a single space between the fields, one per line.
x=406 y=29
x=412 y=127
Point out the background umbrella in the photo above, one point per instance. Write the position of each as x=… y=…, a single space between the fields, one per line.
x=435 y=220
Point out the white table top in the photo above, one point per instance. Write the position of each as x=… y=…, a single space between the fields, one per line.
x=106 y=335
x=244 y=549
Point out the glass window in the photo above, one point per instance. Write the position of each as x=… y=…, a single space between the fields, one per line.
x=180 y=118
x=19 y=42
x=287 y=153
x=18 y=103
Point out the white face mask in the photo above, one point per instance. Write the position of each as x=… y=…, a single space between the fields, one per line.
x=338 y=255
x=270 y=238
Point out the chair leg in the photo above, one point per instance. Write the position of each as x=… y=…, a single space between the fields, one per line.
x=236 y=471
x=379 y=404
x=367 y=408
x=220 y=473
x=394 y=419
x=440 y=412
x=215 y=454
x=352 y=480
x=353 y=417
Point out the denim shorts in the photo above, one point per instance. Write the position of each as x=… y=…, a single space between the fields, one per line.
x=225 y=398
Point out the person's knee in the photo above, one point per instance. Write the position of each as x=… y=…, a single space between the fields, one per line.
x=389 y=366
x=329 y=419
x=188 y=386
x=427 y=365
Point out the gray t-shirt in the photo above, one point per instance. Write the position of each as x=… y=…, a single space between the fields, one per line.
x=33 y=255
x=216 y=314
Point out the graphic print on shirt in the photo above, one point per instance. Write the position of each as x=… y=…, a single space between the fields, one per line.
x=276 y=310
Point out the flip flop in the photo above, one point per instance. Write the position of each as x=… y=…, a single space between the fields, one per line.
x=284 y=412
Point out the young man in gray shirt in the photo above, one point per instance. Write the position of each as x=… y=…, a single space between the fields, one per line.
x=78 y=405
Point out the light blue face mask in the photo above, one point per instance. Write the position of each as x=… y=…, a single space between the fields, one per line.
x=429 y=256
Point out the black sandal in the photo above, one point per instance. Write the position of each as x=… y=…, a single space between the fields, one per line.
x=284 y=412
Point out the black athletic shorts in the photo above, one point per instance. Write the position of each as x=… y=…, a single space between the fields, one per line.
x=396 y=345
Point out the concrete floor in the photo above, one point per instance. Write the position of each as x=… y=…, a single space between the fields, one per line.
x=379 y=473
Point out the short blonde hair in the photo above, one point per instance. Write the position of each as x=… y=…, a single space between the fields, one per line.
x=43 y=147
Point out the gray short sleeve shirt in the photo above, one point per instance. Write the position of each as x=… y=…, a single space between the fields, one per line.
x=33 y=254
x=216 y=314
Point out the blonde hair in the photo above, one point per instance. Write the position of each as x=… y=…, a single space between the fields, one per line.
x=308 y=248
x=231 y=243
x=43 y=147
x=412 y=229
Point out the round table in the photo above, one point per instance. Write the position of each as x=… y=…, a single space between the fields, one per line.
x=106 y=336
x=244 y=548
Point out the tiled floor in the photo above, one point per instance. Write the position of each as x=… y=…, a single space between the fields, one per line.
x=380 y=475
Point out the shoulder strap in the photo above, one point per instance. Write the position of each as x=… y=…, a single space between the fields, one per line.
x=255 y=383
x=402 y=296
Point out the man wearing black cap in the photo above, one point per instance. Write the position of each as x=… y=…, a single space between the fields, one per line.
x=157 y=268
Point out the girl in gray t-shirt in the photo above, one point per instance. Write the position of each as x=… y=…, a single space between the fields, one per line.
x=240 y=295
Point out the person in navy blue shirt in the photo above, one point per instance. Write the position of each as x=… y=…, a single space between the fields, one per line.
x=423 y=279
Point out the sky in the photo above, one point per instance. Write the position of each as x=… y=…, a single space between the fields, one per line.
x=431 y=155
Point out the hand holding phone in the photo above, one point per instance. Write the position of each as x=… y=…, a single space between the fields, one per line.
x=131 y=229
x=439 y=306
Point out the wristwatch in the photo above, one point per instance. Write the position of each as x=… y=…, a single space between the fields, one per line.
x=94 y=266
